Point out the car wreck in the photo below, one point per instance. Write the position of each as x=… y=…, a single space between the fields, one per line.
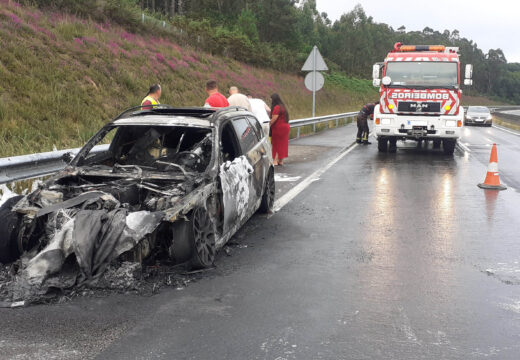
x=160 y=183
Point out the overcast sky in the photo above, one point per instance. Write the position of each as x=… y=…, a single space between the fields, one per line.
x=489 y=23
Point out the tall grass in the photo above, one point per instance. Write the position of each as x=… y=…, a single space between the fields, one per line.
x=61 y=78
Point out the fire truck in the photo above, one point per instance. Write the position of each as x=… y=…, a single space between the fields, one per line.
x=420 y=96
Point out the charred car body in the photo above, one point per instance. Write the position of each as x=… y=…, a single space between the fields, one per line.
x=167 y=182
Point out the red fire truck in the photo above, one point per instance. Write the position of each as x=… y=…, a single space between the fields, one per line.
x=420 y=96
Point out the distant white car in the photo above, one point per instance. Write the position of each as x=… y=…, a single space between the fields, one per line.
x=478 y=115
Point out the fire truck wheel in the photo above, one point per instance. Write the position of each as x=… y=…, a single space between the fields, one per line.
x=382 y=144
x=392 y=146
x=448 y=146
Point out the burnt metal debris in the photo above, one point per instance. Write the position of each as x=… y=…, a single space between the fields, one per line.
x=173 y=184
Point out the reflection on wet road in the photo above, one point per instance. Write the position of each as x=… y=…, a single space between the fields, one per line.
x=387 y=256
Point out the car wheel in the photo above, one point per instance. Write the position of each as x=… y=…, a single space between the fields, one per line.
x=267 y=204
x=203 y=240
x=382 y=144
x=9 y=226
x=436 y=144
x=448 y=146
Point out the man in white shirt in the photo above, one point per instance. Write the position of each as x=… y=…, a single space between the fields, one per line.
x=261 y=111
x=238 y=99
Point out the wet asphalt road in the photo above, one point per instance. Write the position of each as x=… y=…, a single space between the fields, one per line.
x=386 y=256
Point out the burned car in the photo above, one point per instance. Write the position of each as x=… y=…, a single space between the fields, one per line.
x=165 y=182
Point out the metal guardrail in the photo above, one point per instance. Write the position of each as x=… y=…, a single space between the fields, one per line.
x=36 y=165
x=298 y=124
x=30 y=166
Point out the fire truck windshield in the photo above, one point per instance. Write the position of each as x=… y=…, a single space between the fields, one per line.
x=427 y=74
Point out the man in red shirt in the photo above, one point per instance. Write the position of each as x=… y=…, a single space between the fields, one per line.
x=215 y=99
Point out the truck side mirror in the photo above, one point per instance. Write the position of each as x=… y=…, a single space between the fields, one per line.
x=468 y=82
x=469 y=71
x=375 y=71
x=376 y=82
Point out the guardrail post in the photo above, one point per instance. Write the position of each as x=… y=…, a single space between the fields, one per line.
x=337 y=122
x=297 y=132
x=314 y=127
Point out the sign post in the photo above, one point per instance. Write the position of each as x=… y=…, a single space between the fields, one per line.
x=314 y=80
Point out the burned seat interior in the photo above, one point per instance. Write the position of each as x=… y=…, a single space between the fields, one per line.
x=158 y=148
x=144 y=167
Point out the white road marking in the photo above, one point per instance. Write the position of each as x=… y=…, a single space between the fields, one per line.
x=295 y=191
x=464 y=147
x=280 y=177
x=506 y=130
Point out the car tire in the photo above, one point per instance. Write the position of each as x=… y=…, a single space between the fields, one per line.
x=448 y=146
x=436 y=144
x=9 y=225
x=267 y=204
x=203 y=240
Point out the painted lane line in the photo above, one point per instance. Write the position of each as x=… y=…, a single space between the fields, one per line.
x=463 y=147
x=295 y=191
x=506 y=130
x=280 y=177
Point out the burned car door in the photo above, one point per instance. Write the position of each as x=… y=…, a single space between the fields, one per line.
x=236 y=174
x=259 y=154
x=255 y=154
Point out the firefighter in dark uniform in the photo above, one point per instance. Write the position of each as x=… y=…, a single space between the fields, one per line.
x=362 y=123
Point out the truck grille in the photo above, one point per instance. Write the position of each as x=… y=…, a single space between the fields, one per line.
x=419 y=107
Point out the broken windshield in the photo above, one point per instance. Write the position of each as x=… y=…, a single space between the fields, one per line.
x=138 y=148
x=426 y=74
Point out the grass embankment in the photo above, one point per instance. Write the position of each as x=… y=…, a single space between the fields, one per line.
x=62 y=78
x=509 y=123
x=468 y=100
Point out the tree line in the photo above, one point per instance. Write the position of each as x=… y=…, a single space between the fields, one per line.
x=353 y=43
x=281 y=33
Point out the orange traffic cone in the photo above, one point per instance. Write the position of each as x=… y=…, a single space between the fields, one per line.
x=492 y=181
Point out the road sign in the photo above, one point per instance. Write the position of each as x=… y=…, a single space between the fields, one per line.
x=314 y=80
x=315 y=62
x=314 y=84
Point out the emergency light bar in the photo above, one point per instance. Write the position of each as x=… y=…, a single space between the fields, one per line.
x=398 y=47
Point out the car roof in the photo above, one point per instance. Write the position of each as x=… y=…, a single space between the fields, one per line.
x=165 y=115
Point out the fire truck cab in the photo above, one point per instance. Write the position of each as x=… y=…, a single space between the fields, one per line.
x=420 y=96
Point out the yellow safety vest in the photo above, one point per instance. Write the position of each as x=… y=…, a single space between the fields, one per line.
x=151 y=99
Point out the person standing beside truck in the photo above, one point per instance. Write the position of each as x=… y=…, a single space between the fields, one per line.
x=152 y=98
x=362 y=123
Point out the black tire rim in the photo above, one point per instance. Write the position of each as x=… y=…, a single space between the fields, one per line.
x=204 y=237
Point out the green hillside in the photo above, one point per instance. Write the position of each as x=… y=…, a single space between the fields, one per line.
x=62 y=77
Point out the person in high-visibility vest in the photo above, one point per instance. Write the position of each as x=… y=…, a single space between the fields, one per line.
x=152 y=98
